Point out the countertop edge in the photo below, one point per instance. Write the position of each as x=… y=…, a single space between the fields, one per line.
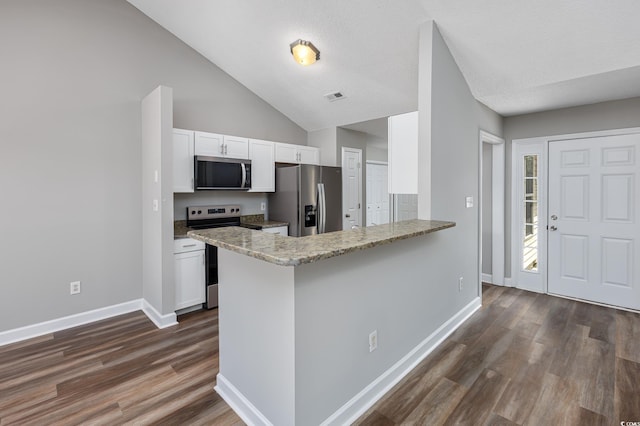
x=300 y=259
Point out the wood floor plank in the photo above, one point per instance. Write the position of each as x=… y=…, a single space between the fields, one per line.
x=627 y=332
x=477 y=404
x=436 y=407
x=411 y=391
x=627 y=392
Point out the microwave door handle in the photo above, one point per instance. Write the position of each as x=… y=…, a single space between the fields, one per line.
x=244 y=175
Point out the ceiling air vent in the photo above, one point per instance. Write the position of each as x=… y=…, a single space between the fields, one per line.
x=335 y=96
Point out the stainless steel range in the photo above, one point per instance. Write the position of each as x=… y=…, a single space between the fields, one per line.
x=203 y=217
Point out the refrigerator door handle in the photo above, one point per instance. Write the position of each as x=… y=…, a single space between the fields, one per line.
x=322 y=213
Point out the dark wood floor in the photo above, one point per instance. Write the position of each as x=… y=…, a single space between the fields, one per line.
x=524 y=358
x=527 y=359
x=118 y=371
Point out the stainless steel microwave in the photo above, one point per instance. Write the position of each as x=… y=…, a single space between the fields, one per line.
x=222 y=173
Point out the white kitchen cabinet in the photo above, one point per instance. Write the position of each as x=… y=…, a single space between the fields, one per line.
x=236 y=147
x=403 y=153
x=297 y=154
x=282 y=230
x=217 y=145
x=263 y=172
x=209 y=144
x=189 y=275
x=309 y=155
x=183 y=149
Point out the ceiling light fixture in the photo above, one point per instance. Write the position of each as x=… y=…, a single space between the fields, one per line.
x=304 y=52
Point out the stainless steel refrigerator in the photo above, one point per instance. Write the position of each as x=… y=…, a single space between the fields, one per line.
x=309 y=198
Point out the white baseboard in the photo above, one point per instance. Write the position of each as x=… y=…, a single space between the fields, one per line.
x=238 y=403
x=360 y=403
x=46 y=327
x=487 y=278
x=161 y=321
x=39 y=329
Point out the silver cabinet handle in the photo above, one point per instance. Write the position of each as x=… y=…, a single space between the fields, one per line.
x=347 y=215
x=221 y=149
x=553 y=228
x=554 y=217
x=226 y=149
x=189 y=245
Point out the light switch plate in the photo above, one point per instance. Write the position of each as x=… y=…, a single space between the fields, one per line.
x=469 y=201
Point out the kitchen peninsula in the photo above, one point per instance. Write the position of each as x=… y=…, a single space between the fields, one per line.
x=313 y=329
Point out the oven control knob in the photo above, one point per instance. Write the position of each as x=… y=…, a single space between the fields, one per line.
x=193 y=212
x=199 y=211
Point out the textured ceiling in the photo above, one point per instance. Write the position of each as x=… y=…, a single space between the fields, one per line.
x=517 y=56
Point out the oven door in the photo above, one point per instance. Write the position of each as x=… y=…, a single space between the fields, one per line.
x=211 y=276
x=222 y=173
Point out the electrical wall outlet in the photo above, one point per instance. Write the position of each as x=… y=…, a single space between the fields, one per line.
x=373 y=340
x=74 y=287
x=263 y=206
x=460 y=284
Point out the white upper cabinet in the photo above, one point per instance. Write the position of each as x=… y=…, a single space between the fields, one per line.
x=309 y=155
x=262 y=156
x=297 y=154
x=403 y=153
x=209 y=144
x=236 y=147
x=216 y=145
x=183 y=149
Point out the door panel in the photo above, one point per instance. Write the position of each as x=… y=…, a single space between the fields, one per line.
x=351 y=178
x=593 y=223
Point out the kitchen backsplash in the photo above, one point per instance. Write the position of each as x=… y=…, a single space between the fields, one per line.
x=249 y=202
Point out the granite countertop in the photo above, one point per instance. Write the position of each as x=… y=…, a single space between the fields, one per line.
x=292 y=251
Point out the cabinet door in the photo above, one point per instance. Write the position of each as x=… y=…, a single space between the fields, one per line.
x=286 y=153
x=189 y=279
x=209 y=144
x=308 y=155
x=235 y=147
x=182 y=160
x=263 y=172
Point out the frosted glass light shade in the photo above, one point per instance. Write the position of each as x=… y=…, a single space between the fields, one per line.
x=304 y=52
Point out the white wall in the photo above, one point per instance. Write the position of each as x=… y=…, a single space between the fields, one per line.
x=601 y=116
x=325 y=140
x=75 y=72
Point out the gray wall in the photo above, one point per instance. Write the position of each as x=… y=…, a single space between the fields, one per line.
x=456 y=118
x=587 y=118
x=75 y=72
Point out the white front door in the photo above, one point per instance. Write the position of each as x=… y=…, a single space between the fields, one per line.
x=351 y=187
x=594 y=202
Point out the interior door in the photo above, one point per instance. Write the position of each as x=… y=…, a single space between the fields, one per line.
x=594 y=195
x=377 y=194
x=351 y=187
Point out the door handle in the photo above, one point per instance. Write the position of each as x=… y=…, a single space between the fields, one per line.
x=553 y=228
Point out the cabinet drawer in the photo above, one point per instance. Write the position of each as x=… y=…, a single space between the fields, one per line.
x=182 y=245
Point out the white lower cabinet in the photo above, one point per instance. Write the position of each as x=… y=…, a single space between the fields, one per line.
x=189 y=258
x=282 y=230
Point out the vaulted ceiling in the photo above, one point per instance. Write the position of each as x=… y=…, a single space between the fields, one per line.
x=517 y=56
